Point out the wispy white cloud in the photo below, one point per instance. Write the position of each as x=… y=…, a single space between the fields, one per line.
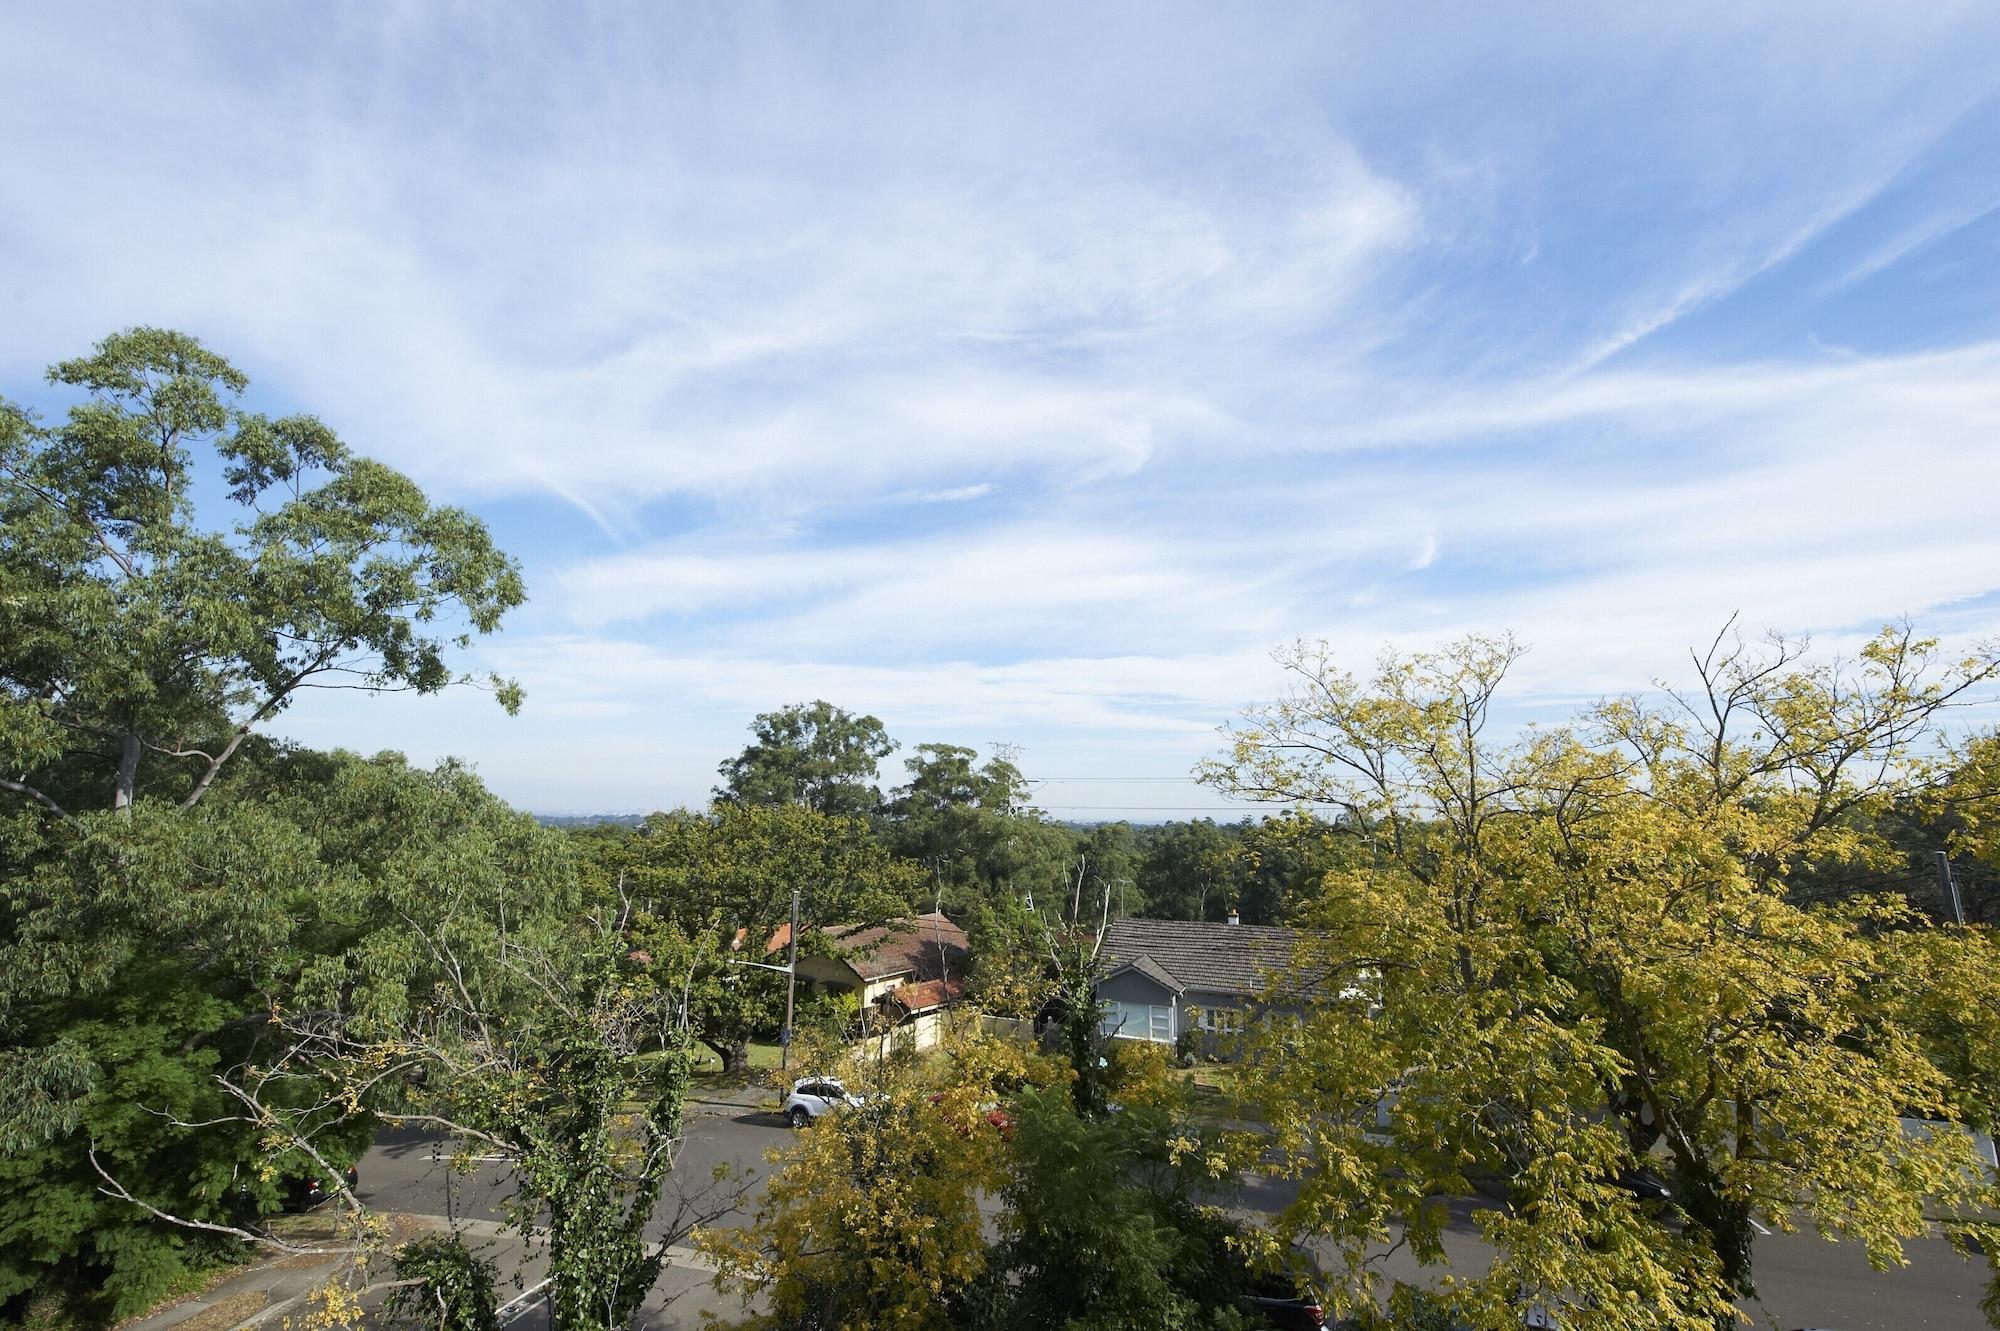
x=1912 y=240
x=957 y=494
x=1028 y=374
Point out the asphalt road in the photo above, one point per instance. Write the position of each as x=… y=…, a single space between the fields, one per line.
x=1804 y=1281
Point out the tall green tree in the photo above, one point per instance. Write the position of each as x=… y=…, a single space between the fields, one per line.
x=1575 y=951
x=724 y=881
x=1185 y=871
x=813 y=754
x=953 y=815
x=163 y=871
x=141 y=646
x=1107 y=856
x=1278 y=862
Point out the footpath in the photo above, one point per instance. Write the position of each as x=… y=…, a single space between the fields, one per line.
x=270 y=1295
x=270 y=1292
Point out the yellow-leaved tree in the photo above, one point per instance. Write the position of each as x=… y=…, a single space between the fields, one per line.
x=1571 y=955
x=872 y=1223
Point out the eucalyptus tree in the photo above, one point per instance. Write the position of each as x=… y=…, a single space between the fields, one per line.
x=814 y=754
x=135 y=635
x=953 y=814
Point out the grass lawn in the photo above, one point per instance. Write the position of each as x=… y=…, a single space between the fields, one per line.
x=1217 y=1091
x=708 y=1067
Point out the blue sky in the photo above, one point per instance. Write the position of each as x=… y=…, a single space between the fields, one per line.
x=1027 y=373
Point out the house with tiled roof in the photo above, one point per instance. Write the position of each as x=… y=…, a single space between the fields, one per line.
x=1165 y=979
x=904 y=972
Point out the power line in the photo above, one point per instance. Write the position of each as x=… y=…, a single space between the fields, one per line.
x=1226 y=804
x=1181 y=780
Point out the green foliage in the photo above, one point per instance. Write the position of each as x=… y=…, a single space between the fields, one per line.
x=811 y=754
x=1184 y=873
x=146 y=955
x=1011 y=972
x=125 y=965
x=696 y=881
x=873 y=1224
x=965 y=825
x=1265 y=869
x=1099 y=1231
x=522 y=1024
x=142 y=648
x=456 y=1293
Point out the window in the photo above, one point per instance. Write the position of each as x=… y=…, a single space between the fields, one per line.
x=1222 y=1020
x=1139 y=1021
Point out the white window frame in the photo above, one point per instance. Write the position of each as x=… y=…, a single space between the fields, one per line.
x=1222 y=1020
x=1138 y=1021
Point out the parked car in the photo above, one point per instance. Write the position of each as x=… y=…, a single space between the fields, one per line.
x=304 y=1192
x=814 y=1096
x=1645 y=1185
x=1284 y=1302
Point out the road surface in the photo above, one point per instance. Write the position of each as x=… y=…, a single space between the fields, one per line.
x=1804 y=1281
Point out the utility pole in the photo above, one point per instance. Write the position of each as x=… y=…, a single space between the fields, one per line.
x=1950 y=887
x=791 y=987
x=791 y=970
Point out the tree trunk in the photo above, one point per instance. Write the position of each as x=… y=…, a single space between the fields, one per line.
x=1726 y=1220
x=735 y=1054
x=128 y=773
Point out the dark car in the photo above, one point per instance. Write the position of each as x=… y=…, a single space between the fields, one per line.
x=1284 y=1302
x=1645 y=1185
x=304 y=1192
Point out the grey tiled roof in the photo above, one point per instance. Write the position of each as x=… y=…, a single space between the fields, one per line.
x=1149 y=968
x=1219 y=958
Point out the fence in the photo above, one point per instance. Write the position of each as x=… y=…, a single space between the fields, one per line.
x=1008 y=1028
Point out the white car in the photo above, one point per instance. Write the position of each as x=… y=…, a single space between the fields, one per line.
x=813 y=1096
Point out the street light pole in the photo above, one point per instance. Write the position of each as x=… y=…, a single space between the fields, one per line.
x=1950 y=886
x=791 y=987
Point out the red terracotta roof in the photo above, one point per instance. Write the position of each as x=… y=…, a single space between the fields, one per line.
x=927 y=994
x=929 y=945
